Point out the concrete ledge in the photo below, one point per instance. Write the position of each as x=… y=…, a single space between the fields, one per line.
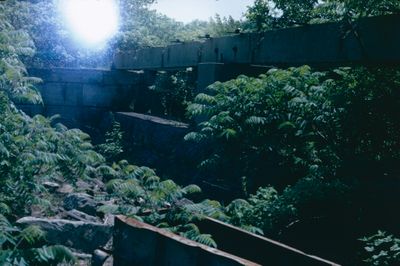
x=137 y=243
x=155 y=119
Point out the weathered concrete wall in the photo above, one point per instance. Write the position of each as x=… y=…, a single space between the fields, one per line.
x=137 y=243
x=256 y=248
x=151 y=130
x=158 y=143
x=140 y=244
x=373 y=40
x=83 y=96
x=208 y=73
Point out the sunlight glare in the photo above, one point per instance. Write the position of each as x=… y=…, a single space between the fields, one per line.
x=91 y=21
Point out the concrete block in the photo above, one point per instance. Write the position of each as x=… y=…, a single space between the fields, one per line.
x=207 y=74
x=98 y=96
x=73 y=93
x=183 y=55
x=122 y=77
x=152 y=131
x=68 y=75
x=47 y=75
x=79 y=75
x=229 y=49
x=91 y=76
x=53 y=93
x=142 y=59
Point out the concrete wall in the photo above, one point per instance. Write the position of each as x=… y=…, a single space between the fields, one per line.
x=137 y=243
x=83 y=96
x=157 y=143
x=85 y=99
x=140 y=244
x=256 y=248
x=375 y=40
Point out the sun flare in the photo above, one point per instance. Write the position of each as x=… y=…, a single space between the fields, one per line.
x=91 y=21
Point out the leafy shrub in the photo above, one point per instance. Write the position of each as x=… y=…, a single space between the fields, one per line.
x=277 y=126
x=293 y=123
x=113 y=146
x=265 y=14
x=381 y=249
x=25 y=247
x=139 y=193
x=175 y=91
x=31 y=150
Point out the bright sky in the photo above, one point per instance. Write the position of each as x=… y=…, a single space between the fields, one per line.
x=188 y=10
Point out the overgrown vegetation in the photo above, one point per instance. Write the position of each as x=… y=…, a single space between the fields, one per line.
x=268 y=14
x=381 y=249
x=34 y=151
x=175 y=91
x=322 y=138
x=26 y=247
x=298 y=123
x=313 y=154
x=112 y=148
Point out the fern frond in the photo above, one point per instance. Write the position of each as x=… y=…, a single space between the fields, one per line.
x=151 y=181
x=253 y=229
x=191 y=189
x=195 y=137
x=109 y=209
x=113 y=185
x=228 y=133
x=206 y=239
x=203 y=98
x=32 y=234
x=53 y=255
x=131 y=189
x=256 y=120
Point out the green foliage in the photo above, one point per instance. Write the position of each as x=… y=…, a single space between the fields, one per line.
x=175 y=91
x=267 y=14
x=139 y=193
x=293 y=123
x=56 y=46
x=33 y=152
x=283 y=118
x=326 y=141
x=15 y=44
x=381 y=249
x=113 y=146
x=24 y=247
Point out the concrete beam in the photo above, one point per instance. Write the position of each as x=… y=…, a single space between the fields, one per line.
x=372 y=40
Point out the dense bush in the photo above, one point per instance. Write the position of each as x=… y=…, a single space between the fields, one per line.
x=328 y=142
x=34 y=151
x=273 y=129
x=381 y=249
x=25 y=247
x=293 y=123
x=175 y=91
